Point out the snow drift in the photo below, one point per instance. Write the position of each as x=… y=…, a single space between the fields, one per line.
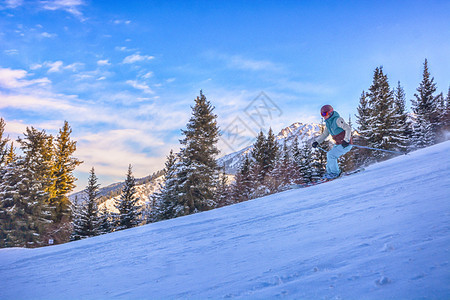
x=380 y=234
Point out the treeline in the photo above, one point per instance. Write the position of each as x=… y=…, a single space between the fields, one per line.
x=34 y=187
x=89 y=220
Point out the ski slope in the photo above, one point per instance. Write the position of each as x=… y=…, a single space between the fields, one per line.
x=380 y=234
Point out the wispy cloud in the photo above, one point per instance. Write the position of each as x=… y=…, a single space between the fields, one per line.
x=119 y=22
x=48 y=35
x=12 y=3
x=70 y=6
x=58 y=66
x=137 y=58
x=241 y=62
x=140 y=86
x=103 y=62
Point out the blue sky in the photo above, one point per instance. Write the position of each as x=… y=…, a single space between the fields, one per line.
x=125 y=73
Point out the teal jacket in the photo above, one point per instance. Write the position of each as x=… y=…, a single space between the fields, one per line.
x=338 y=128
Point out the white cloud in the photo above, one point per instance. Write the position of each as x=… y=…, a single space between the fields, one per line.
x=137 y=58
x=140 y=86
x=239 y=62
x=17 y=78
x=54 y=66
x=118 y=22
x=70 y=6
x=244 y=63
x=57 y=66
x=11 y=52
x=13 y=3
x=103 y=62
x=48 y=35
x=147 y=75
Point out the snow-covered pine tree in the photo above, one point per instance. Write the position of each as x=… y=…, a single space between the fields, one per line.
x=401 y=134
x=24 y=192
x=425 y=107
x=317 y=165
x=440 y=125
x=282 y=174
x=223 y=191
x=258 y=157
x=197 y=167
x=362 y=156
x=296 y=162
x=306 y=162
x=63 y=179
x=164 y=201
x=446 y=116
x=129 y=212
x=264 y=154
x=382 y=122
x=105 y=221
x=243 y=186
x=86 y=217
x=272 y=152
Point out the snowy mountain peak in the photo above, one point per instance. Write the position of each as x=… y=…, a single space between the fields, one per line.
x=304 y=133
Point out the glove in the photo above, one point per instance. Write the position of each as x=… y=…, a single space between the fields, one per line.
x=315 y=144
x=345 y=144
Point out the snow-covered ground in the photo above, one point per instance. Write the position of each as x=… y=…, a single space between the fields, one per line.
x=380 y=234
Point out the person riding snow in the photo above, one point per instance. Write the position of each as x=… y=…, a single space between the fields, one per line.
x=341 y=133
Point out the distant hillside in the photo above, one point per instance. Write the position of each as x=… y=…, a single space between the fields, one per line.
x=115 y=189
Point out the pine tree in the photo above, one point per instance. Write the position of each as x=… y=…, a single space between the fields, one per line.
x=164 y=201
x=11 y=154
x=362 y=156
x=242 y=188
x=86 y=220
x=401 y=133
x=258 y=156
x=272 y=152
x=197 y=168
x=264 y=154
x=223 y=191
x=282 y=174
x=129 y=211
x=382 y=117
x=426 y=109
x=296 y=162
x=446 y=115
x=440 y=124
x=64 y=181
x=306 y=163
x=362 y=118
x=24 y=193
x=3 y=143
x=105 y=221
x=317 y=165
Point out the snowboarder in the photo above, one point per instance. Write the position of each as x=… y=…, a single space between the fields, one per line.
x=341 y=133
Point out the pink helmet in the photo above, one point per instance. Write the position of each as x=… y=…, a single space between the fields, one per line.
x=326 y=110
